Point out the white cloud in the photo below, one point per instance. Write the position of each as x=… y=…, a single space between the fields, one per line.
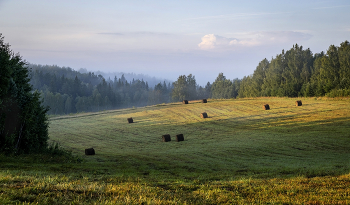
x=212 y=41
x=216 y=42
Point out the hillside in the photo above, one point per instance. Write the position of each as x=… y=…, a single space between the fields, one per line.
x=241 y=154
x=239 y=138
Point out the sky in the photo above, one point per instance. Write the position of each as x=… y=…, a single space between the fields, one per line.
x=167 y=39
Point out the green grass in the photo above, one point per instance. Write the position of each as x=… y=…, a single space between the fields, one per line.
x=240 y=154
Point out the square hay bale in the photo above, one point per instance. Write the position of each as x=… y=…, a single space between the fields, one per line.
x=204 y=101
x=90 y=151
x=204 y=115
x=166 y=138
x=185 y=102
x=298 y=103
x=130 y=120
x=179 y=137
x=266 y=107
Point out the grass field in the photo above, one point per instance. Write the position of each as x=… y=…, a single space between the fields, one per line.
x=240 y=154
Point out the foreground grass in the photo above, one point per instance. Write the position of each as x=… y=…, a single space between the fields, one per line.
x=60 y=189
x=240 y=154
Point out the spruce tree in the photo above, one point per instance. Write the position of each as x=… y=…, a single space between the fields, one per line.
x=23 y=120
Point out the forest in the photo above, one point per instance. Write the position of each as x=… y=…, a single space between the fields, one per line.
x=65 y=90
x=296 y=72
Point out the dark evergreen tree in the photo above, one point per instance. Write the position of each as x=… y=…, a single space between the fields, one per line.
x=344 y=61
x=222 y=87
x=273 y=82
x=258 y=78
x=184 y=88
x=23 y=121
x=246 y=87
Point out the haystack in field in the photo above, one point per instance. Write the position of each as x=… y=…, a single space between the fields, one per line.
x=204 y=115
x=266 y=107
x=185 y=102
x=90 y=151
x=130 y=120
x=298 y=103
x=204 y=101
x=179 y=137
x=166 y=138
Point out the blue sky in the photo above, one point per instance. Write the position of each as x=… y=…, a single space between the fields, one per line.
x=170 y=38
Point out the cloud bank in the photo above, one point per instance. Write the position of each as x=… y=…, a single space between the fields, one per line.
x=216 y=42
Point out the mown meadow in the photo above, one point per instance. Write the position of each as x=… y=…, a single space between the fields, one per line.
x=240 y=154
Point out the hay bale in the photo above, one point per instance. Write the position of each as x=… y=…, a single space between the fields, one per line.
x=204 y=101
x=130 y=120
x=166 y=138
x=266 y=107
x=185 y=102
x=204 y=115
x=179 y=137
x=298 y=103
x=90 y=151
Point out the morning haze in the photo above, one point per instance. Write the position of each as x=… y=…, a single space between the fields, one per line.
x=167 y=39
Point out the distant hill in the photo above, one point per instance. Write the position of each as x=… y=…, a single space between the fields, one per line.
x=152 y=81
x=69 y=72
x=66 y=90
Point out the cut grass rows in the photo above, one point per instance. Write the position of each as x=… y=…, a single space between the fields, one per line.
x=238 y=134
x=240 y=154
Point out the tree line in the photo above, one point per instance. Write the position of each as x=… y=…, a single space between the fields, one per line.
x=293 y=73
x=297 y=72
x=66 y=91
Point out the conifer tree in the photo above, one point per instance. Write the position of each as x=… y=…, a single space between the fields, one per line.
x=23 y=120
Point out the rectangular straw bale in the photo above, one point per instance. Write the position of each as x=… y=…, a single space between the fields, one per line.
x=266 y=107
x=90 y=151
x=298 y=103
x=179 y=137
x=166 y=138
x=204 y=115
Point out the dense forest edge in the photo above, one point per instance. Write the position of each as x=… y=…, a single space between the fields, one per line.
x=66 y=91
x=296 y=72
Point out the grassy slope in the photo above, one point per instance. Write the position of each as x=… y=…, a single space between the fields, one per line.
x=238 y=141
x=239 y=137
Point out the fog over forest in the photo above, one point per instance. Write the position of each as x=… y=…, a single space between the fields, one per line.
x=152 y=81
x=296 y=72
